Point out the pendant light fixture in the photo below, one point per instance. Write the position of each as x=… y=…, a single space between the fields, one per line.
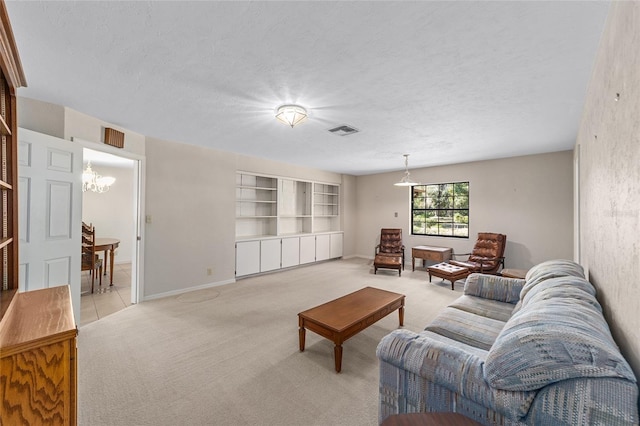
x=406 y=179
x=291 y=114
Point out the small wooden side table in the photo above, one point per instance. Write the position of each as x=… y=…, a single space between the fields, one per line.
x=435 y=254
x=429 y=419
x=514 y=273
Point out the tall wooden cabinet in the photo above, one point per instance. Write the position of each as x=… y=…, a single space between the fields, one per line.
x=37 y=329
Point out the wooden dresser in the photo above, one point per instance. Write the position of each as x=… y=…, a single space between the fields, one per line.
x=38 y=370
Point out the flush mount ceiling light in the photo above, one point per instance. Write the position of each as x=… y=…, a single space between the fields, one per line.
x=291 y=114
x=406 y=179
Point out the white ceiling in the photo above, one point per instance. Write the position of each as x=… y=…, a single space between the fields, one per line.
x=446 y=82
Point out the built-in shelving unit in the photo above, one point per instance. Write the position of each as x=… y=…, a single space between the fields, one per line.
x=256 y=205
x=284 y=222
x=326 y=212
x=295 y=207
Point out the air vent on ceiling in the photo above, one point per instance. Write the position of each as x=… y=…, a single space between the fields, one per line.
x=344 y=130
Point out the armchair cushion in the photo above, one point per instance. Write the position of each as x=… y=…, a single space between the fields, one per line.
x=487 y=254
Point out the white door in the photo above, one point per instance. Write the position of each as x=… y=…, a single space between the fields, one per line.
x=50 y=208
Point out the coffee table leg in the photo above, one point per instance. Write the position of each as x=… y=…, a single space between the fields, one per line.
x=301 y=334
x=401 y=314
x=338 y=354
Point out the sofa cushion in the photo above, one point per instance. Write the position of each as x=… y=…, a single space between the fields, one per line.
x=484 y=307
x=562 y=287
x=550 y=269
x=471 y=329
x=558 y=334
x=493 y=287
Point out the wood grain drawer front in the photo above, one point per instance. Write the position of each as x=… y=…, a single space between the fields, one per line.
x=38 y=385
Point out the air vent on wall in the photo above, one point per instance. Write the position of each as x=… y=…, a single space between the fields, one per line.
x=344 y=130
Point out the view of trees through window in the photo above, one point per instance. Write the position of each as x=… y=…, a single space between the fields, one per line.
x=441 y=209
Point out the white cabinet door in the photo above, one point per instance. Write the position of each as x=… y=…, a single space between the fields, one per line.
x=307 y=249
x=290 y=252
x=336 y=246
x=323 y=244
x=269 y=255
x=247 y=258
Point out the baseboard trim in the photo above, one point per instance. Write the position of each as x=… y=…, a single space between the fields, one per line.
x=187 y=290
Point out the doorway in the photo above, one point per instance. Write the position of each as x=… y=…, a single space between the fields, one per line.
x=114 y=212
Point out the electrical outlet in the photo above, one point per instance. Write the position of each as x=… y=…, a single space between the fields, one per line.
x=209 y=271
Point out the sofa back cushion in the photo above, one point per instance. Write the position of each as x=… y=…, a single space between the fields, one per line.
x=550 y=269
x=558 y=334
x=493 y=287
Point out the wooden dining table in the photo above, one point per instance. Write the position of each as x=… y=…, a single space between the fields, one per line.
x=109 y=246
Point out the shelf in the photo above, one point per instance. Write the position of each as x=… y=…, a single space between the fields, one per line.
x=5 y=185
x=4 y=128
x=259 y=188
x=256 y=217
x=268 y=206
x=5 y=242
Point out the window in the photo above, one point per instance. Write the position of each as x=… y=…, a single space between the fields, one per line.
x=440 y=209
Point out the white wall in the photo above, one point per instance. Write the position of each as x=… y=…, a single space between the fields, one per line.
x=190 y=196
x=191 y=199
x=527 y=198
x=610 y=178
x=112 y=212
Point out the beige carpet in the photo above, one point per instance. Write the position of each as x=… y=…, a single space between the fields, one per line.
x=229 y=355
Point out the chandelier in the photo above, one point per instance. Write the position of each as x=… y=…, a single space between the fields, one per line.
x=91 y=181
x=291 y=114
x=406 y=179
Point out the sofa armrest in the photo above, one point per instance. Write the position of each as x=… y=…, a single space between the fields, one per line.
x=494 y=287
x=422 y=360
x=436 y=361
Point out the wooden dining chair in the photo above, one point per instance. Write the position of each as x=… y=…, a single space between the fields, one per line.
x=91 y=261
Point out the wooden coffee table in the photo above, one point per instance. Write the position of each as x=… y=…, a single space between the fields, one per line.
x=346 y=316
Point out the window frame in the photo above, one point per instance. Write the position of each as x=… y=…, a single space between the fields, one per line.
x=452 y=210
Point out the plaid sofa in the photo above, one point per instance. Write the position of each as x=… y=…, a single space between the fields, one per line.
x=513 y=352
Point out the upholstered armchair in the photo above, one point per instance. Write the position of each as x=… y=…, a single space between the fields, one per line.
x=390 y=251
x=487 y=255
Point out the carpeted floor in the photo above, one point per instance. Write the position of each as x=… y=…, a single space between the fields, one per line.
x=229 y=355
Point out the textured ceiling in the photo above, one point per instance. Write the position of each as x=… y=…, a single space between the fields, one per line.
x=446 y=82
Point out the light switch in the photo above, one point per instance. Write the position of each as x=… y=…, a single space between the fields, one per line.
x=147 y=219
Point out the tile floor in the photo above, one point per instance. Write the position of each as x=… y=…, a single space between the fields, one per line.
x=105 y=299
